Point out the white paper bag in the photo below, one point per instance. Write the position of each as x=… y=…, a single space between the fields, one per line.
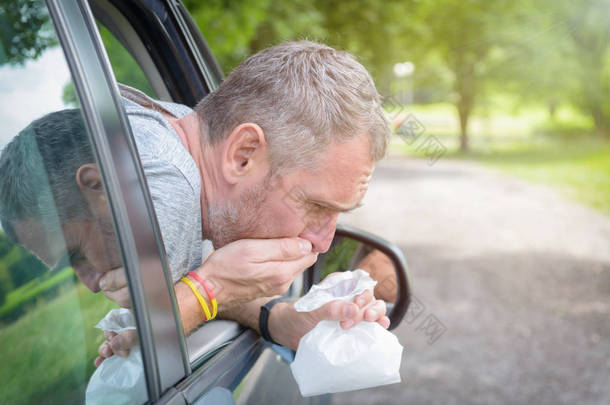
x=118 y=380
x=330 y=359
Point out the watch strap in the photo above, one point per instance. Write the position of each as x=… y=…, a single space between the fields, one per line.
x=263 y=319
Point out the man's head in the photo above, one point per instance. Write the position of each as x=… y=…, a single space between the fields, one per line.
x=296 y=130
x=50 y=187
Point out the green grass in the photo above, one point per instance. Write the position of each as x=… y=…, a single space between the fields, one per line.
x=564 y=154
x=580 y=170
x=47 y=355
x=34 y=288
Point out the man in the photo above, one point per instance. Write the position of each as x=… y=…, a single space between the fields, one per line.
x=299 y=120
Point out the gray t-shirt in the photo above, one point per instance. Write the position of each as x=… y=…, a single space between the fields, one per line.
x=172 y=176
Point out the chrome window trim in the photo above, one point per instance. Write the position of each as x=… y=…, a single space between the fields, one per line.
x=125 y=186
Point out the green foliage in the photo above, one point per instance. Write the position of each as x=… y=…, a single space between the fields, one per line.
x=20 y=263
x=126 y=69
x=588 y=25
x=285 y=21
x=54 y=366
x=6 y=284
x=25 y=31
x=68 y=95
x=579 y=168
x=564 y=153
x=339 y=257
x=228 y=26
x=18 y=300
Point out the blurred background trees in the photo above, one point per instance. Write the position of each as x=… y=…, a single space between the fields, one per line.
x=548 y=53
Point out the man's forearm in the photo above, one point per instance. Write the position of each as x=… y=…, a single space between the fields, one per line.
x=190 y=309
x=246 y=314
x=192 y=317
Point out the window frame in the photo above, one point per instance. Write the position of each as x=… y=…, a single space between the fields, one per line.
x=152 y=295
x=132 y=24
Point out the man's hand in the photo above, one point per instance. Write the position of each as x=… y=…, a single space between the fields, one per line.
x=119 y=344
x=252 y=268
x=114 y=286
x=287 y=326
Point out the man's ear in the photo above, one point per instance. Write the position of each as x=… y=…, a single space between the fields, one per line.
x=245 y=152
x=89 y=182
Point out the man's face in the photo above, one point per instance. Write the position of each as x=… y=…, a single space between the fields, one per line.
x=304 y=202
x=88 y=245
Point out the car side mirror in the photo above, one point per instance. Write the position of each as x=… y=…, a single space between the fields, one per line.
x=352 y=249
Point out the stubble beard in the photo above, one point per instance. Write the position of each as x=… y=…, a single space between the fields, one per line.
x=234 y=220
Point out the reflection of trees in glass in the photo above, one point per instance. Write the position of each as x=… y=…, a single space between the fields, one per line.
x=25 y=31
x=126 y=69
x=339 y=257
x=17 y=266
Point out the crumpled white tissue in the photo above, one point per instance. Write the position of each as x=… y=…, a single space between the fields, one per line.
x=118 y=380
x=330 y=359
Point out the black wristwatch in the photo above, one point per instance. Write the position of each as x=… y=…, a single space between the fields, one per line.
x=263 y=318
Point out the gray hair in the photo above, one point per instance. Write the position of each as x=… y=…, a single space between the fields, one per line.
x=38 y=172
x=304 y=95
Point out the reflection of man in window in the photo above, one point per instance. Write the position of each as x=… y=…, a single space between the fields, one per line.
x=50 y=187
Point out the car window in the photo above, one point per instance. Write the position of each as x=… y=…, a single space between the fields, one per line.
x=126 y=69
x=56 y=236
x=134 y=66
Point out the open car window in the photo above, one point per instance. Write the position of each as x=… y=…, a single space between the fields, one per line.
x=128 y=34
x=57 y=237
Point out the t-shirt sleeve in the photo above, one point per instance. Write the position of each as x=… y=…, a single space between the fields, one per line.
x=174 y=205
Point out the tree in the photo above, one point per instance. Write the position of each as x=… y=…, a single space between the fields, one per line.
x=25 y=31
x=376 y=32
x=21 y=265
x=471 y=39
x=6 y=285
x=588 y=23
x=228 y=26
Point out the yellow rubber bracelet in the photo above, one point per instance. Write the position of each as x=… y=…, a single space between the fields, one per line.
x=214 y=308
x=206 y=311
x=207 y=290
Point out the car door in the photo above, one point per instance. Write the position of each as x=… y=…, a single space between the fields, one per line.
x=73 y=207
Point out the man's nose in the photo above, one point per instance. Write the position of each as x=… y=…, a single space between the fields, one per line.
x=320 y=232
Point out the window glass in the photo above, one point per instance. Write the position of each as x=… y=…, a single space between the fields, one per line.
x=126 y=69
x=167 y=171
x=56 y=233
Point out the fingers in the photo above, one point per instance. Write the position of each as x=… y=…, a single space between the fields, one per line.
x=123 y=342
x=349 y=314
x=375 y=311
x=384 y=321
x=121 y=297
x=337 y=311
x=364 y=299
x=264 y=250
x=113 y=280
x=296 y=267
x=283 y=274
x=98 y=360
x=105 y=351
x=119 y=344
x=114 y=285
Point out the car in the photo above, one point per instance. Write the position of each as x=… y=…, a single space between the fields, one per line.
x=72 y=54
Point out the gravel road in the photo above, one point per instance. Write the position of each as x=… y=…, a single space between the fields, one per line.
x=512 y=287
